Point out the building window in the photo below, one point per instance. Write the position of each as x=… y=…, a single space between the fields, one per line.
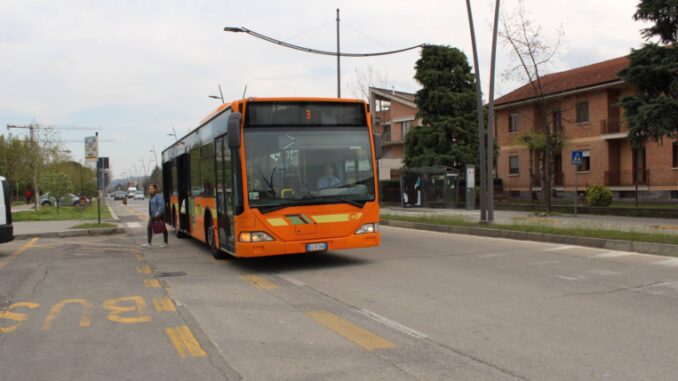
x=386 y=136
x=586 y=162
x=557 y=122
x=513 y=123
x=514 y=165
x=675 y=155
x=582 y=112
x=405 y=128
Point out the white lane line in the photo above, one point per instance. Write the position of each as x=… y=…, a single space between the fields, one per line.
x=613 y=254
x=566 y=277
x=294 y=281
x=392 y=324
x=673 y=262
x=133 y=224
x=115 y=216
x=558 y=248
x=492 y=255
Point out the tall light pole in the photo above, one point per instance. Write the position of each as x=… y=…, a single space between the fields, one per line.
x=155 y=154
x=338 y=59
x=338 y=53
x=485 y=138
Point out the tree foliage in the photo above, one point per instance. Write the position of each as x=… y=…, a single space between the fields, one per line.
x=58 y=184
x=84 y=179
x=653 y=112
x=664 y=15
x=446 y=102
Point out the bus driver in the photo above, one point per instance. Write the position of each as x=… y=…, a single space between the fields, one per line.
x=329 y=180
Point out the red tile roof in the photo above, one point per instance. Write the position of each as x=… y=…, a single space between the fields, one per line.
x=579 y=78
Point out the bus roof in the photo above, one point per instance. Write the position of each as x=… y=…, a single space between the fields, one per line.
x=236 y=105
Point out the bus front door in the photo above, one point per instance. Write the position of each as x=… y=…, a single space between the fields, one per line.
x=224 y=177
x=183 y=180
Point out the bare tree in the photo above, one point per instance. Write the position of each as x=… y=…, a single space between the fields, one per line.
x=43 y=148
x=533 y=53
x=366 y=78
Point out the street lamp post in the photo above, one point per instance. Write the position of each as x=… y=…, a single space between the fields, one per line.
x=221 y=95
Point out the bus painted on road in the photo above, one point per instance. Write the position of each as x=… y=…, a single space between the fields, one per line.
x=274 y=176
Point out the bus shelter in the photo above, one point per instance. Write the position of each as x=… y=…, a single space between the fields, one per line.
x=430 y=187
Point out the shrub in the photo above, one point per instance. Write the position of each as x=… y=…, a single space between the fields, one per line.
x=598 y=195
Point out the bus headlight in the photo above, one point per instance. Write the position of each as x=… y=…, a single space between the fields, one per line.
x=368 y=228
x=251 y=237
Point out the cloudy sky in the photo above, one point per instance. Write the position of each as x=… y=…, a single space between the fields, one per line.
x=137 y=69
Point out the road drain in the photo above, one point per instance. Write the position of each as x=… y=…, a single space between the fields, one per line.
x=171 y=274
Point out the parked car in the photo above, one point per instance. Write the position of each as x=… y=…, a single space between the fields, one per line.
x=139 y=195
x=119 y=195
x=70 y=200
x=6 y=228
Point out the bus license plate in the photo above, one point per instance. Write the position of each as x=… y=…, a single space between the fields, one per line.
x=316 y=246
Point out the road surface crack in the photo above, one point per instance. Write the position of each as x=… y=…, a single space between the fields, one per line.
x=613 y=291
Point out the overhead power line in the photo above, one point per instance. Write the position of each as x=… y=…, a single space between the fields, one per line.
x=316 y=51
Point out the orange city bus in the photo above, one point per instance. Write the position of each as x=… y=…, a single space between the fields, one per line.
x=273 y=176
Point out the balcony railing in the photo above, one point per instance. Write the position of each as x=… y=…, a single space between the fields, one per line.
x=609 y=126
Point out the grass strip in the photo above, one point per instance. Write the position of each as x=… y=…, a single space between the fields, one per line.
x=49 y=213
x=534 y=228
x=103 y=225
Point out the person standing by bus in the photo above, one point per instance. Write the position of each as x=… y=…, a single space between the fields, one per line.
x=156 y=211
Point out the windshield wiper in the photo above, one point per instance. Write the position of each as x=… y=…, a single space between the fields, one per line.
x=335 y=199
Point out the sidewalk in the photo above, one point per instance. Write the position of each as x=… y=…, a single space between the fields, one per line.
x=638 y=224
x=62 y=228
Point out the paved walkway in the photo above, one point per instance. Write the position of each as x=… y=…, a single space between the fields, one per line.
x=653 y=225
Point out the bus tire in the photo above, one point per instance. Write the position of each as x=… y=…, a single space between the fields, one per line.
x=210 y=239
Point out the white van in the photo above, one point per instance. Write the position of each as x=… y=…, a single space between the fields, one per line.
x=6 y=229
x=131 y=191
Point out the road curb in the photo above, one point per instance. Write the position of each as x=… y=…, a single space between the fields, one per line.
x=73 y=233
x=664 y=249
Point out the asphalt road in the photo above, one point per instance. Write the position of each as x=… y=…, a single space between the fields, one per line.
x=423 y=306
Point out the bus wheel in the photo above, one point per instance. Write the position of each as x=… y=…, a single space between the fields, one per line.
x=210 y=238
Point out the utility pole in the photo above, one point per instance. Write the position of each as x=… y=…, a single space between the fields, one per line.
x=96 y=134
x=338 y=59
x=481 y=119
x=489 y=204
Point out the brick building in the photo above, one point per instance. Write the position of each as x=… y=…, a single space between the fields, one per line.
x=394 y=114
x=583 y=103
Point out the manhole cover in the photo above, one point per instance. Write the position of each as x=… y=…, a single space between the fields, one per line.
x=171 y=274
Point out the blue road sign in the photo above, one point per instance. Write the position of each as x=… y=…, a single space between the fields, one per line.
x=577 y=157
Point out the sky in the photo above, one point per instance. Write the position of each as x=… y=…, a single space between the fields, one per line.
x=136 y=70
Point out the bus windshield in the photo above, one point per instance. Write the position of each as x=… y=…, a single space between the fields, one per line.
x=291 y=166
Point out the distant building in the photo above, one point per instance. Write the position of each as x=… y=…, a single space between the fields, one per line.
x=394 y=114
x=584 y=103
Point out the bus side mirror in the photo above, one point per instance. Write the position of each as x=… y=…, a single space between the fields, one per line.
x=234 y=130
x=378 y=152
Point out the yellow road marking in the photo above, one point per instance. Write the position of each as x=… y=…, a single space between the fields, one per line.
x=143 y=269
x=116 y=310
x=260 y=282
x=185 y=342
x=666 y=227
x=350 y=331
x=20 y=250
x=15 y=316
x=152 y=283
x=164 y=304
x=56 y=310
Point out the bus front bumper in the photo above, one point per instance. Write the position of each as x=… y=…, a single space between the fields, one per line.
x=261 y=249
x=6 y=233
